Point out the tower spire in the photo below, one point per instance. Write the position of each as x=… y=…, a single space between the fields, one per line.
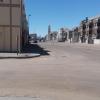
x=49 y=31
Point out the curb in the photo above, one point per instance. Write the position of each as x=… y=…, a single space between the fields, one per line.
x=18 y=98
x=19 y=56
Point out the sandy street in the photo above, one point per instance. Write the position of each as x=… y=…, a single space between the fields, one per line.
x=69 y=72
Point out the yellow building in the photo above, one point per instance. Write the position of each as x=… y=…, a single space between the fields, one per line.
x=13 y=25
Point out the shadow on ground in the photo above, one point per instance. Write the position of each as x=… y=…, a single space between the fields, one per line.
x=35 y=48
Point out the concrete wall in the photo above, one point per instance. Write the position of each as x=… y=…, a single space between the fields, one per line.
x=10 y=25
x=4 y=38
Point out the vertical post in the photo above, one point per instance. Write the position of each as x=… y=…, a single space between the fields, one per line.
x=20 y=38
x=28 y=26
x=17 y=45
x=29 y=20
x=10 y=25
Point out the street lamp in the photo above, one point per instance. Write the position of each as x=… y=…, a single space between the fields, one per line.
x=28 y=26
x=29 y=20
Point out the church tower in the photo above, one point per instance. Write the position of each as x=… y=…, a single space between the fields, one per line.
x=49 y=32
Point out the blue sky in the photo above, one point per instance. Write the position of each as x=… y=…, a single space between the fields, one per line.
x=59 y=13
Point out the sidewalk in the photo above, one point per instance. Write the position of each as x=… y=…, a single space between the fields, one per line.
x=19 y=56
x=30 y=51
x=19 y=98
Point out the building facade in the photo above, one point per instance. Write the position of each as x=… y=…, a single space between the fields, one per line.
x=53 y=35
x=63 y=35
x=13 y=25
x=75 y=35
x=90 y=30
x=87 y=32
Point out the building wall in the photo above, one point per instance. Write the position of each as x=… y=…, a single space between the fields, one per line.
x=75 y=35
x=4 y=38
x=63 y=35
x=25 y=28
x=11 y=13
x=89 y=29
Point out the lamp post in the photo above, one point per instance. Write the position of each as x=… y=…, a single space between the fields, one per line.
x=28 y=26
x=29 y=20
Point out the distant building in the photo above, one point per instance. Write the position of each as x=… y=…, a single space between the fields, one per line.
x=33 y=38
x=63 y=35
x=75 y=34
x=57 y=36
x=14 y=28
x=90 y=30
x=53 y=35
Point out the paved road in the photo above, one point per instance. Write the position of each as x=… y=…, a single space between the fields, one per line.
x=70 y=72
